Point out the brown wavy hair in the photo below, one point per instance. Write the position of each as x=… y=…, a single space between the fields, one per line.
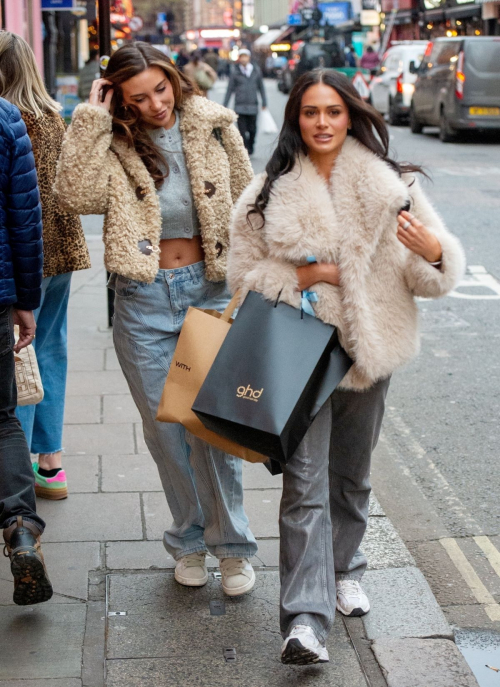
x=367 y=126
x=127 y=62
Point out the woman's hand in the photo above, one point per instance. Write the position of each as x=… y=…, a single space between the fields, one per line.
x=95 y=97
x=418 y=238
x=316 y=272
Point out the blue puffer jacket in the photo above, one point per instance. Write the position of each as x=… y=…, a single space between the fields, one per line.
x=21 y=248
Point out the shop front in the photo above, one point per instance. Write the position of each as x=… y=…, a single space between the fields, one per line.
x=450 y=18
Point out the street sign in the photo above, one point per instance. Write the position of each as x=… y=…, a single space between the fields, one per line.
x=58 y=5
x=136 y=23
x=360 y=84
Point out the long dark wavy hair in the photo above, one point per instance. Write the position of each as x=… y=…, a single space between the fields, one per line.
x=125 y=63
x=367 y=126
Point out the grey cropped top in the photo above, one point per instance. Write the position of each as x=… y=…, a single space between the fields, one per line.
x=179 y=219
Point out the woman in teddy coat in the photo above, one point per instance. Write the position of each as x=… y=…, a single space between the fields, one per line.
x=165 y=165
x=335 y=214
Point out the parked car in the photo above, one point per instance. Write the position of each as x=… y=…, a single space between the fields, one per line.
x=308 y=56
x=391 y=89
x=458 y=86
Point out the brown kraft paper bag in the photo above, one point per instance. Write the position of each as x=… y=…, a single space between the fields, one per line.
x=200 y=339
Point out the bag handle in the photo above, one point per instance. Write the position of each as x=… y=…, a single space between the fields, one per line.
x=231 y=307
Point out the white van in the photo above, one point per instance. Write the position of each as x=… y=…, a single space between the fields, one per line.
x=391 y=89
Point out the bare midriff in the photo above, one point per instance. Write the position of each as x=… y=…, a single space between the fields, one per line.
x=180 y=252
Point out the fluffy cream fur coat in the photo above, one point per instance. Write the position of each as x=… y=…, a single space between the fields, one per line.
x=351 y=221
x=99 y=174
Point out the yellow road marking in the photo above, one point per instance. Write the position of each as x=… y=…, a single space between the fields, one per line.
x=492 y=553
x=470 y=576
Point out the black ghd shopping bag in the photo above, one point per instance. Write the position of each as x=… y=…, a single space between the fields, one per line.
x=274 y=371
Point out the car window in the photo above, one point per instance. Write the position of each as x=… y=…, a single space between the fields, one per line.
x=483 y=57
x=446 y=53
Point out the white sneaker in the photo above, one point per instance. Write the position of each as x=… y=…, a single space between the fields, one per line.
x=238 y=576
x=191 y=570
x=351 y=599
x=302 y=647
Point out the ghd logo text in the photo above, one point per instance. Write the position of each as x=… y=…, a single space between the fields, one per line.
x=249 y=393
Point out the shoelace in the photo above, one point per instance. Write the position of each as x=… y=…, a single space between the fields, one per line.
x=302 y=629
x=233 y=566
x=350 y=587
x=195 y=560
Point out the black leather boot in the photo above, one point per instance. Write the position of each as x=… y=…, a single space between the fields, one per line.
x=22 y=546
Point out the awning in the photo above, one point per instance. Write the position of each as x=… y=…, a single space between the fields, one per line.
x=405 y=17
x=471 y=10
x=263 y=42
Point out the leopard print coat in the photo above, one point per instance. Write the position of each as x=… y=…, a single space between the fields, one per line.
x=64 y=246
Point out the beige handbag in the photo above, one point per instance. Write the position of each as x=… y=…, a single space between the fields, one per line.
x=28 y=380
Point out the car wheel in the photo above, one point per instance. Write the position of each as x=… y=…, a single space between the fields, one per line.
x=394 y=119
x=446 y=133
x=416 y=125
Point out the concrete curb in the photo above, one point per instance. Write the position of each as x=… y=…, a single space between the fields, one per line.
x=410 y=636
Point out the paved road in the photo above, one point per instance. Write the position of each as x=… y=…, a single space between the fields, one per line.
x=437 y=472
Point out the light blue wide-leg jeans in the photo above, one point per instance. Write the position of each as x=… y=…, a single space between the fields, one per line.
x=202 y=484
x=43 y=423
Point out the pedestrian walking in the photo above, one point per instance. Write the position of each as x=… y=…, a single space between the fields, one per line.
x=350 y=56
x=370 y=59
x=21 y=261
x=245 y=82
x=212 y=59
x=88 y=74
x=200 y=73
x=164 y=166
x=335 y=214
x=65 y=251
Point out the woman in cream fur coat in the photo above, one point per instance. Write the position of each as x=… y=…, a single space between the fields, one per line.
x=335 y=214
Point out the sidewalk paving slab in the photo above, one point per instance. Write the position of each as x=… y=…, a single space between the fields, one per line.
x=169 y=638
x=402 y=605
x=92 y=517
x=45 y=639
x=422 y=663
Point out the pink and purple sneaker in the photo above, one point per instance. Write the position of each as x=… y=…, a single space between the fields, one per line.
x=53 y=487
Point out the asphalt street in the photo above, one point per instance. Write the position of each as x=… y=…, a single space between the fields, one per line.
x=436 y=471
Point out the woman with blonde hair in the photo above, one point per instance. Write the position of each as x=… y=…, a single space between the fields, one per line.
x=165 y=165
x=65 y=252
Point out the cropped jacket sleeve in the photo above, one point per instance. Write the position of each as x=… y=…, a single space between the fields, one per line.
x=81 y=184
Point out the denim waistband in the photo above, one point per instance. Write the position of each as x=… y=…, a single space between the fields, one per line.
x=188 y=273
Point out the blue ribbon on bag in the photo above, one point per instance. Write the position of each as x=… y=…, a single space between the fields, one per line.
x=308 y=297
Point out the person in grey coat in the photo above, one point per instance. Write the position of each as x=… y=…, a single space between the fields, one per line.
x=245 y=82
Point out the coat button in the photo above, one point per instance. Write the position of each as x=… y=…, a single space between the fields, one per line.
x=209 y=189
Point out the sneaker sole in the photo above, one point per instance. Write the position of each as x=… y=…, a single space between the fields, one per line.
x=296 y=654
x=32 y=584
x=51 y=494
x=188 y=582
x=355 y=613
x=240 y=590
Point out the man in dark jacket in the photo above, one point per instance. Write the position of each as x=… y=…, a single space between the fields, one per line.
x=21 y=263
x=245 y=81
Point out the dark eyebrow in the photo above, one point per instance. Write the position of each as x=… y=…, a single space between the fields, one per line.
x=137 y=95
x=315 y=107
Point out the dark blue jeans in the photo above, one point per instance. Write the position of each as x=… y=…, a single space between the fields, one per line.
x=17 y=482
